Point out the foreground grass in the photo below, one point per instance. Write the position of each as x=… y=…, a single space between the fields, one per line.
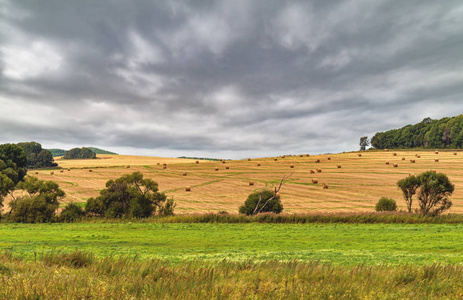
x=82 y=276
x=339 y=243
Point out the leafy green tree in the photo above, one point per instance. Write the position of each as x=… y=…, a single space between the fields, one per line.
x=261 y=201
x=36 y=156
x=386 y=204
x=409 y=185
x=433 y=190
x=364 y=143
x=13 y=162
x=39 y=205
x=128 y=196
x=79 y=153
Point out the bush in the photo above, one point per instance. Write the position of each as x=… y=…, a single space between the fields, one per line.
x=34 y=209
x=72 y=212
x=265 y=201
x=386 y=204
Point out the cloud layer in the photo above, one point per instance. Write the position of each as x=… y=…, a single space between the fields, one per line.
x=225 y=78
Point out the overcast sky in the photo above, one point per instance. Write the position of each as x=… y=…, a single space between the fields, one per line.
x=229 y=79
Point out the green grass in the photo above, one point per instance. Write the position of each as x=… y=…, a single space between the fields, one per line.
x=340 y=244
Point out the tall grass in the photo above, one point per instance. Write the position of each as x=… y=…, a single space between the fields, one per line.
x=53 y=277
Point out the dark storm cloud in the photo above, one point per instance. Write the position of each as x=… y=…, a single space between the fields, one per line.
x=232 y=77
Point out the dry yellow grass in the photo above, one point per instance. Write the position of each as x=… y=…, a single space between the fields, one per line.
x=356 y=187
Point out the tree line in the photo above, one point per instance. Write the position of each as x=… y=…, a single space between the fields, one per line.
x=429 y=133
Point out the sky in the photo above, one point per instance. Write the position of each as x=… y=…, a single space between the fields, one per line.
x=230 y=79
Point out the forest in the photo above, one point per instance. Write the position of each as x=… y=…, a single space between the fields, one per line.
x=433 y=134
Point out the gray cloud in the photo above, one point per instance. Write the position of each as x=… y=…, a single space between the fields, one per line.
x=237 y=78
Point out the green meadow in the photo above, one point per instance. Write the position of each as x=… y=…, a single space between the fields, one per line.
x=339 y=244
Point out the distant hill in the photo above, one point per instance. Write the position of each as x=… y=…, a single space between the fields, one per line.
x=429 y=133
x=60 y=152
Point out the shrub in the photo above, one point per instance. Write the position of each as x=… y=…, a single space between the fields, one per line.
x=386 y=204
x=72 y=212
x=262 y=201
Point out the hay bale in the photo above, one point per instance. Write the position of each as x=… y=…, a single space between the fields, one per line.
x=314 y=181
x=251 y=183
x=227 y=167
x=436 y=152
x=329 y=158
x=387 y=163
x=300 y=155
x=185 y=173
x=249 y=159
x=339 y=166
x=258 y=165
x=197 y=161
x=61 y=171
x=275 y=159
x=220 y=159
x=216 y=169
x=319 y=170
x=90 y=170
x=164 y=167
x=403 y=158
x=312 y=172
x=307 y=155
x=436 y=160
x=283 y=156
x=36 y=172
x=395 y=165
x=417 y=156
x=223 y=162
x=188 y=189
x=386 y=150
x=158 y=164
x=454 y=153
x=51 y=173
x=128 y=166
x=324 y=186
x=359 y=155
x=317 y=161
x=69 y=169
x=291 y=166
x=412 y=161
x=394 y=154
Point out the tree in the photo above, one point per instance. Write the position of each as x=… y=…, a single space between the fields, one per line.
x=71 y=212
x=409 y=185
x=386 y=204
x=36 y=156
x=433 y=189
x=13 y=162
x=39 y=205
x=79 y=153
x=433 y=195
x=261 y=201
x=128 y=196
x=364 y=143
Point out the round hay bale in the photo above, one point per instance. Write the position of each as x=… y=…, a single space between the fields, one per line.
x=69 y=169
x=412 y=161
x=51 y=173
x=258 y=165
x=128 y=166
x=249 y=159
x=329 y=158
x=307 y=155
x=314 y=181
x=359 y=155
x=395 y=165
x=216 y=169
x=312 y=172
x=223 y=162
x=61 y=171
x=36 y=172
x=227 y=167
x=251 y=183
x=339 y=166
x=319 y=170
x=394 y=154
x=275 y=159
x=324 y=186
x=220 y=159
x=317 y=161
x=164 y=167
x=454 y=153
x=291 y=166
x=185 y=173
x=387 y=163
x=417 y=155
x=283 y=156
x=436 y=160
x=158 y=164
x=197 y=161
x=90 y=170
x=188 y=189
x=436 y=152
x=300 y=155
x=386 y=150
x=403 y=158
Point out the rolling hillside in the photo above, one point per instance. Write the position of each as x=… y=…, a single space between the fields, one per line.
x=354 y=187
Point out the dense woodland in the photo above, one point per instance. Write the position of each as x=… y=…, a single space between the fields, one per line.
x=79 y=153
x=429 y=133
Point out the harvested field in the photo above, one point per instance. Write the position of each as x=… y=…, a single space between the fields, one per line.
x=356 y=187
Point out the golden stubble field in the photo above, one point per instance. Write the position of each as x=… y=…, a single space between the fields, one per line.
x=355 y=186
